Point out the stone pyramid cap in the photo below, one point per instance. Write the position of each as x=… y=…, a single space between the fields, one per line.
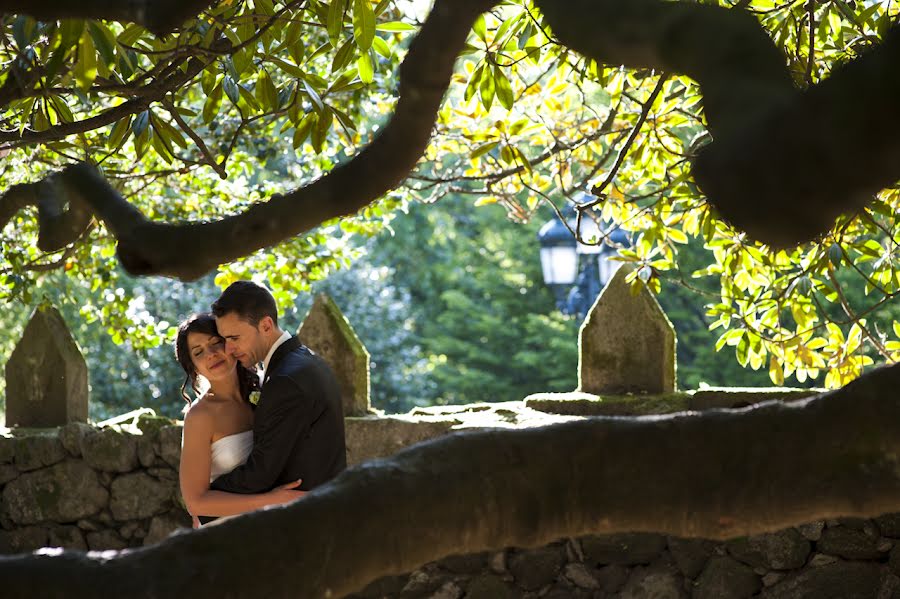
x=626 y=343
x=328 y=333
x=46 y=375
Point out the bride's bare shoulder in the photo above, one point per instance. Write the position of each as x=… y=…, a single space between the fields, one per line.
x=199 y=413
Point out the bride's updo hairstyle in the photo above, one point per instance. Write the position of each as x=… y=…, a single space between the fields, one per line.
x=205 y=323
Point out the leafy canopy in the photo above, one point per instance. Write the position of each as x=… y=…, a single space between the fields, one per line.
x=253 y=98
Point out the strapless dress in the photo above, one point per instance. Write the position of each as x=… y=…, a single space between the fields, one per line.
x=230 y=452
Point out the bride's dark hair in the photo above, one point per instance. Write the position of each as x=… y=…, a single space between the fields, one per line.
x=248 y=379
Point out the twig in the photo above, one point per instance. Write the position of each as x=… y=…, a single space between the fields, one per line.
x=623 y=151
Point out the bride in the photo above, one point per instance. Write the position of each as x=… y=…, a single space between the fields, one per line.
x=217 y=435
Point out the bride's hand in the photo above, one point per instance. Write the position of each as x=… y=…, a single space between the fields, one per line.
x=287 y=492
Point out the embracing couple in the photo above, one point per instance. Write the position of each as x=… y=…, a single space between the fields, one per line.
x=253 y=437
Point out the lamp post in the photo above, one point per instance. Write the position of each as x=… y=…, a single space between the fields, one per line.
x=576 y=272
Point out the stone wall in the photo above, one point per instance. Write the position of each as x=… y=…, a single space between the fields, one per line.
x=840 y=559
x=83 y=487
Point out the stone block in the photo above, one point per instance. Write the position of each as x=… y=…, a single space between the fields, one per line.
x=691 y=555
x=840 y=580
x=812 y=531
x=612 y=578
x=626 y=344
x=659 y=581
x=64 y=492
x=7 y=473
x=67 y=537
x=849 y=543
x=726 y=578
x=23 y=540
x=782 y=550
x=139 y=495
x=110 y=451
x=536 y=568
x=148 y=448
x=7 y=449
x=889 y=525
x=105 y=539
x=580 y=576
x=170 y=445
x=469 y=563
x=369 y=438
x=46 y=375
x=490 y=586
x=165 y=524
x=71 y=435
x=38 y=451
x=623 y=549
x=328 y=334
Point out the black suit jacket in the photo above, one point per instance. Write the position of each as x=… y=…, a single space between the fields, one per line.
x=298 y=428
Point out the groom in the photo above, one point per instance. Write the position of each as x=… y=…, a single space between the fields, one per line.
x=298 y=429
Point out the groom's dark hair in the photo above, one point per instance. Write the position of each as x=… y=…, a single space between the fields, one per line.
x=251 y=302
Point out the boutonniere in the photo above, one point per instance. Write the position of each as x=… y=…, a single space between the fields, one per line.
x=254 y=397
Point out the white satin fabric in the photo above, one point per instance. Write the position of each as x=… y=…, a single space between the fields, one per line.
x=230 y=452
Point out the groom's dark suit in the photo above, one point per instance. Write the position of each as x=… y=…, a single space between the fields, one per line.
x=298 y=428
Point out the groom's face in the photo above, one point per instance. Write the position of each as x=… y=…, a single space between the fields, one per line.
x=243 y=341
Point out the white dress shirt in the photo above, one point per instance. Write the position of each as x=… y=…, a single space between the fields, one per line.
x=284 y=337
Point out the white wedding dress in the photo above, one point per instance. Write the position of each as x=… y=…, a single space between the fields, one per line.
x=230 y=452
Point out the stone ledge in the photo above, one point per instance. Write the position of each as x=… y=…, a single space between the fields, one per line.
x=578 y=403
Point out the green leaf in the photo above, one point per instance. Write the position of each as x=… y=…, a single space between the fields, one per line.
x=266 y=92
x=381 y=46
x=344 y=119
x=335 y=21
x=303 y=129
x=503 y=89
x=242 y=59
x=394 y=27
x=231 y=89
x=118 y=133
x=59 y=104
x=213 y=102
x=141 y=120
x=363 y=24
x=314 y=97
x=343 y=56
x=248 y=98
x=365 y=67
x=486 y=88
x=86 y=68
x=291 y=69
x=480 y=28
x=320 y=131
x=104 y=41
x=474 y=80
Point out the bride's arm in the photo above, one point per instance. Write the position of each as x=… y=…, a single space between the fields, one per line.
x=196 y=458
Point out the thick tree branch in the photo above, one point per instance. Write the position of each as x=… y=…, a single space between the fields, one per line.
x=159 y=16
x=190 y=250
x=786 y=177
x=717 y=474
x=758 y=171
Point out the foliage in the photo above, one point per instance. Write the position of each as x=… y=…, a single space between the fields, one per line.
x=517 y=132
x=254 y=97
x=482 y=316
x=246 y=101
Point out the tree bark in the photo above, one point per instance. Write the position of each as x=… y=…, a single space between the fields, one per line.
x=777 y=167
x=716 y=474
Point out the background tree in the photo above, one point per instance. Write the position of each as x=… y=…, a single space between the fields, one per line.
x=194 y=125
